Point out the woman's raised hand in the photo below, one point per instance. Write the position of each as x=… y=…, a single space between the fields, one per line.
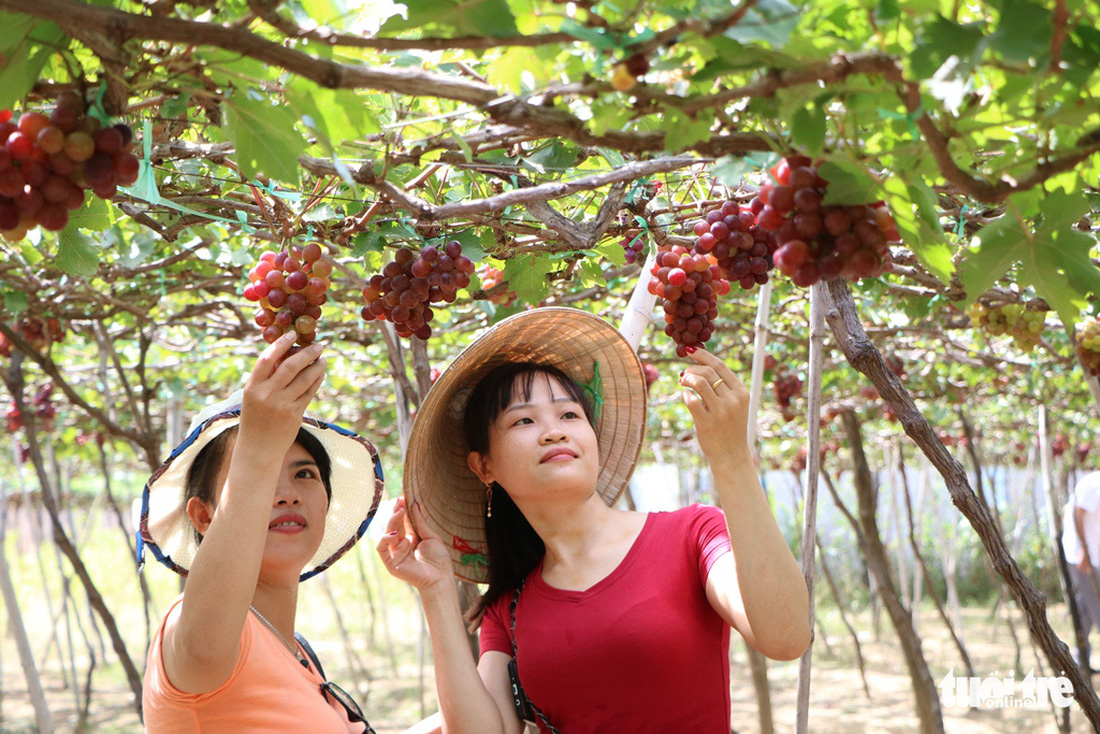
x=421 y=560
x=280 y=388
x=719 y=403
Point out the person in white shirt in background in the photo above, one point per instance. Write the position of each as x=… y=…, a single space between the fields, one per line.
x=1081 y=545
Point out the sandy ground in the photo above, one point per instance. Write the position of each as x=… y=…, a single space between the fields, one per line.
x=838 y=702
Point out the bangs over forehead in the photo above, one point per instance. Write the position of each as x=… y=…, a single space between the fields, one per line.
x=522 y=386
x=511 y=383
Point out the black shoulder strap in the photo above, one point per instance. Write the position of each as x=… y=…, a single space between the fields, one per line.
x=521 y=700
x=301 y=640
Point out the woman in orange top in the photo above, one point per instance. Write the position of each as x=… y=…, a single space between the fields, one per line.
x=255 y=499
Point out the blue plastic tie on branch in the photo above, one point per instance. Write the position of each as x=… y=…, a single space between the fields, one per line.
x=145 y=188
x=960 y=227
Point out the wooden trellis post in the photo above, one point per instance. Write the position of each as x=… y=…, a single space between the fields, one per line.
x=18 y=631
x=809 y=511
x=758 y=664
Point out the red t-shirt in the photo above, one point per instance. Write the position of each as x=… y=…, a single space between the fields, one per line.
x=641 y=650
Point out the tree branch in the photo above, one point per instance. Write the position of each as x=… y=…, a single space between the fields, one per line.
x=984 y=191
x=92 y=24
x=426 y=211
x=1058 y=35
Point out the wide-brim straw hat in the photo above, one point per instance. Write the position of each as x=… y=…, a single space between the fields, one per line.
x=355 y=478
x=437 y=475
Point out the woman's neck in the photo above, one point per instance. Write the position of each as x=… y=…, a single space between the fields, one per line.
x=583 y=542
x=278 y=603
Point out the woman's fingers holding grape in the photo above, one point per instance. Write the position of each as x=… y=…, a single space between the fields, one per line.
x=703 y=358
x=305 y=383
x=297 y=363
x=271 y=358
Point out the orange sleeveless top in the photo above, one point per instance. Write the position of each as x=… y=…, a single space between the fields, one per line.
x=268 y=691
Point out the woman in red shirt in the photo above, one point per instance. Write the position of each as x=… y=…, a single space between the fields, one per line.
x=609 y=620
x=255 y=499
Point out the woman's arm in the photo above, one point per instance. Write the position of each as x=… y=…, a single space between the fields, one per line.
x=759 y=588
x=474 y=699
x=201 y=645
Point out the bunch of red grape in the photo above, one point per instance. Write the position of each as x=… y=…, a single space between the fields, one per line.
x=633 y=244
x=290 y=288
x=816 y=241
x=688 y=286
x=40 y=332
x=13 y=418
x=1087 y=345
x=44 y=411
x=409 y=284
x=84 y=437
x=786 y=385
x=48 y=162
x=490 y=278
x=739 y=247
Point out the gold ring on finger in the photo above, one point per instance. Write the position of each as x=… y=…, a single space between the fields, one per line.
x=714 y=385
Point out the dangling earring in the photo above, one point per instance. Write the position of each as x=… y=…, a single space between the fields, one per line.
x=488 y=499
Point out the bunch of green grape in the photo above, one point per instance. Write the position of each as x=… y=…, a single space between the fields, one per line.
x=1088 y=345
x=1024 y=325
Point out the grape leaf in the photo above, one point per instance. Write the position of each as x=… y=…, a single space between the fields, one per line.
x=808 y=129
x=76 y=254
x=613 y=251
x=94 y=215
x=770 y=21
x=1054 y=259
x=682 y=131
x=849 y=183
x=14 y=29
x=913 y=206
x=598 y=38
x=527 y=277
x=15 y=302
x=507 y=71
x=471 y=244
x=998 y=245
x=557 y=155
x=30 y=253
x=941 y=39
x=264 y=135
x=1058 y=267
x=730 y=169
x=21 y=64
x=176 y=106
x=465 y=17
x=729 y=55
x=1023 y=32
x=1062 y=209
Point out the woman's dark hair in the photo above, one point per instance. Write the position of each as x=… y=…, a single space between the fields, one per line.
x=203 y=473
x=514 y=547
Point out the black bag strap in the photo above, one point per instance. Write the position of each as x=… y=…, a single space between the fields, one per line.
x=517 y=688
